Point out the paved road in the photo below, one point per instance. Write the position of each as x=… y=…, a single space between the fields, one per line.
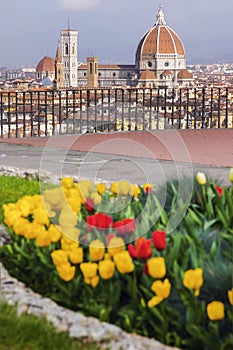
x=102 y=167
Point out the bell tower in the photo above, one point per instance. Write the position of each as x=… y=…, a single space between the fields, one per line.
x=69 y=48
x=92 y=72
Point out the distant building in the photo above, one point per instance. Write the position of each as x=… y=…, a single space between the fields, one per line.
x=160 y=61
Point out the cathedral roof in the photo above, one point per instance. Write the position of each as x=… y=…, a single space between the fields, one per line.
x=184 y=74
x=160 y=39
x=167 y=72
x=46 y=64
x=147 y=75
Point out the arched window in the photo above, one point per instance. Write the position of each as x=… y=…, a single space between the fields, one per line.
x=66 y=49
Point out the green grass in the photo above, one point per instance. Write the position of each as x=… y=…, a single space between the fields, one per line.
x=28 y=332
x=12 y=188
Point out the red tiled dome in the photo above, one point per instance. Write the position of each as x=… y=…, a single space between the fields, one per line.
x=184 y=74
x=46 y=64
x=160 y=39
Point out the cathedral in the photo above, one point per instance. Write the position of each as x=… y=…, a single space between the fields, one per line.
x=160 y=61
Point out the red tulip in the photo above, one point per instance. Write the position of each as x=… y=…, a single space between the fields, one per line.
x=142 y=249
x=89 y=205
x=159 y=239
x=125 y=226
x=99 y=220
x=91 y=222
x=219 y=190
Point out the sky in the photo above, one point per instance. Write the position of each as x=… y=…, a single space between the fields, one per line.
x=111 y=29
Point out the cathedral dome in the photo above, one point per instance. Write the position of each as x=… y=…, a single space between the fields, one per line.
x=46 y=64
x=159 y=40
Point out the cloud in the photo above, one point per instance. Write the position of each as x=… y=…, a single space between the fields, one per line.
x=78 y=5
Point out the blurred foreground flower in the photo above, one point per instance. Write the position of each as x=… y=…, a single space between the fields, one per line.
x=201 y=178
x=193 y=280
x=215 y=310
x=231 y=175
x=219 y=190
x=230 y=296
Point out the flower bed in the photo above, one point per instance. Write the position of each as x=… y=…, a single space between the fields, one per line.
x=106 y=251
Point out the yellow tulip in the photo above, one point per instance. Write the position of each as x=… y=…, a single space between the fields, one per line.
x=116 y=245
x=68 y=244
x=10 y=216
x=75 y=204
x=20 y=225
x=123 y=261
x=96 y=250
x=59 y=257
x=201 y=178
x=24 y=206
x=42 y=238
x=101 y=188
x=41 y=216
x=71 y=232
x=30 y=230
x=106 y=269
x=124 y=187
x=230 y=296
x=95 y=281
x=66 y=272
x=162 y=289
x=231 y=175
x=156 y=267
x=89 y=269
x=215 y=311
x=96 y=198
x=154 y=301
x=67 y=217
x=136 y=191
x=113 y=187
x=193 y=280
x=67 y=182
x=54 y=233
x=55 y=197
x=76 y=255
x=148 y=186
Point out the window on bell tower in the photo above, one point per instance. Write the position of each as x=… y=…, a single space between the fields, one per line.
x=66 y=49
